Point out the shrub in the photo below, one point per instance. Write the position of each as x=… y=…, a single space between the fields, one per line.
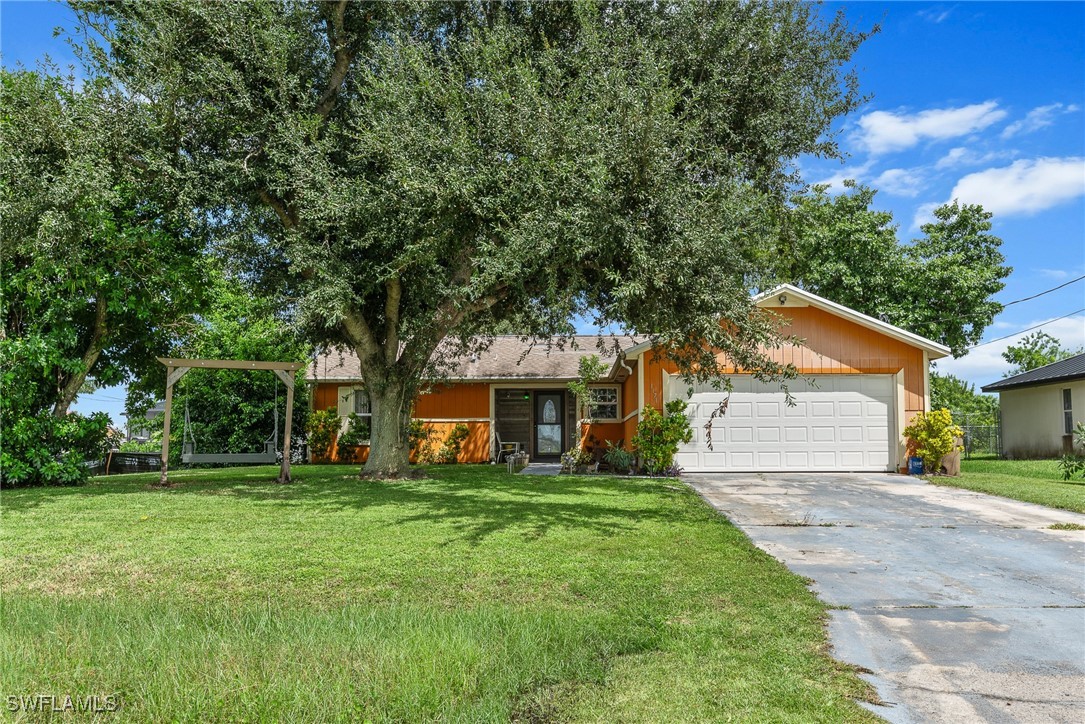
x=320 y=430
x=660 y=433
x=449 y=452
x=933 y=436
x=419 y=435
x=44 y=449
x=357 y=431
x=618 y=458
x=1073 y=464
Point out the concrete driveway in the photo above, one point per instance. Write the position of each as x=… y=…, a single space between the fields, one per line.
x=964 y=606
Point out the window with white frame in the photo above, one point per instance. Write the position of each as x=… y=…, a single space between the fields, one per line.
x=604 y=404
x=1067 y=413
x=353 y=399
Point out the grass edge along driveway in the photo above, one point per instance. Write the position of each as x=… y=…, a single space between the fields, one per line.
x=1030 y=481
x=470 y=595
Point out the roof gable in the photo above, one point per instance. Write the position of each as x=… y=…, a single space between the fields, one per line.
x=788 y=295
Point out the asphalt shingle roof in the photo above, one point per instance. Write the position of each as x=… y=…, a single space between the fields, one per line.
x=1071 y=368
x=500 y=361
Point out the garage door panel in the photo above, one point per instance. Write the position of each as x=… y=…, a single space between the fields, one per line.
x=841 y=422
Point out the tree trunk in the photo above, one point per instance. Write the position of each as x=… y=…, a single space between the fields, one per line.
x=94 y=348
x=390 y=404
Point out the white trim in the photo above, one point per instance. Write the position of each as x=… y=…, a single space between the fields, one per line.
x=635 y=412
x=493 y=425
x=617 y=401
x=769 y=299
x=640 y=388
x=902 y=421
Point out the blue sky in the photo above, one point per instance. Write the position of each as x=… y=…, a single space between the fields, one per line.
x=984 y=102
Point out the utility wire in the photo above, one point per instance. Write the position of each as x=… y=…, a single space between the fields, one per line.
x=1014 y=334
x=1018 y=301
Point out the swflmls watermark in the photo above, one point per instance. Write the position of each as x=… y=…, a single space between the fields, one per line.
x=93 y=704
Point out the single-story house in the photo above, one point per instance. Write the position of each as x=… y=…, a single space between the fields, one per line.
x=1038 y=413
x=868 y=379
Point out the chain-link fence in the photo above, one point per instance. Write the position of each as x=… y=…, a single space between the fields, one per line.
x=982 y=433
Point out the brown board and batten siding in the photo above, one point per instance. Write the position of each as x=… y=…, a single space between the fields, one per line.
x=831 y=346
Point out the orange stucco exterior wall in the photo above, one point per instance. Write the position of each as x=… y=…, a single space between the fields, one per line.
x=442 y=408
x=832 y=345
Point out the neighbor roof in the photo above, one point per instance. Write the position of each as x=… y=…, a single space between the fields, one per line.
x=500 y=362
x=1071 y=368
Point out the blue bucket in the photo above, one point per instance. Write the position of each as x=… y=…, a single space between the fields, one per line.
x=915 y=466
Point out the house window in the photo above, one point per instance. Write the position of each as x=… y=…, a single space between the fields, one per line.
x=1067 y=413
x=603 y=405
x=353 y=399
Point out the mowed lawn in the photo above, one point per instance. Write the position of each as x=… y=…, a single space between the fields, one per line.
x=473 y=595
x=1033 y=481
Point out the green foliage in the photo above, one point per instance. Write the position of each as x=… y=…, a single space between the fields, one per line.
x=659 y=435
x=357 y=431
x=321 y=427
x=1073 y=464
x=940 y=285
x=590 y=369
x=423 y=173
x=932 y=436
x=97 y=262
x=618 y=458
x=1035 y=350
x=152 y=445
x=449 y=451
x=44 y=449
x=419 y=436
x=230 y=410
x=961 y=398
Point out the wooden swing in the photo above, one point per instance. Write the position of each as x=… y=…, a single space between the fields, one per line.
x=177 y=368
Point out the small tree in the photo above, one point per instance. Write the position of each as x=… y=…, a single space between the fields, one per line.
x=660 y=433
x=1035 y=350
x=933 y=436
x=590 y=370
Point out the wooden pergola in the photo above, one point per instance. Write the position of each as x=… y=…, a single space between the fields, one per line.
x=178 y=368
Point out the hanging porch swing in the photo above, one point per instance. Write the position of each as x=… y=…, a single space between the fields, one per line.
x=177 y=368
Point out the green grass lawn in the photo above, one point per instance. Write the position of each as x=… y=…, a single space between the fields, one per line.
x=469 y=596
x=1033 y=481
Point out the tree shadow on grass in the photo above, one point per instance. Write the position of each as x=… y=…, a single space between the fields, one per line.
x=474 y=501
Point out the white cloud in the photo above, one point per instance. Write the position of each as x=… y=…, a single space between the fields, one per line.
x=836 y=181
x=936 y=14
x=900 y=182
x=924 y=214
x=961 y=156
x=985 y=365
x=1038 y=118
x=883 y=131
x=1025 y=186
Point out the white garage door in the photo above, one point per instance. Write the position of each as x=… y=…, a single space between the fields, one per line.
x=843 y=423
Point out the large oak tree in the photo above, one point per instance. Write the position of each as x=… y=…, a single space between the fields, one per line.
x=416 y=174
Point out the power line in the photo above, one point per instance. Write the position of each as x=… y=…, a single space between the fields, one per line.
x=1018 y=301
x=1022 y=331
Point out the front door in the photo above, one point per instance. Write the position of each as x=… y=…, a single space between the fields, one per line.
x=549 y=425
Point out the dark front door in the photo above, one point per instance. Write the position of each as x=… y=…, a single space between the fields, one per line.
x=549 y=424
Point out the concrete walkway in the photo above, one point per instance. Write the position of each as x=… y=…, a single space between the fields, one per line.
x=965 y=607
x=541 y=469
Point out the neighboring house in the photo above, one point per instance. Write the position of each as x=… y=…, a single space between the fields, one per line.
x=1040 y=408
x=869 y=379
x=137 y=429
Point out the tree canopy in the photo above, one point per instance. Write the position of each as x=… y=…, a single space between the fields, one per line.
x=939 y=285
x=419 y=173
x=1035 y=350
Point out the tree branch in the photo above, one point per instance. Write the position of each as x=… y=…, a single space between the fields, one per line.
x=94 y=349
x=284 y=212
x=361 y=336
x=343 y=58
x=391 y=319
